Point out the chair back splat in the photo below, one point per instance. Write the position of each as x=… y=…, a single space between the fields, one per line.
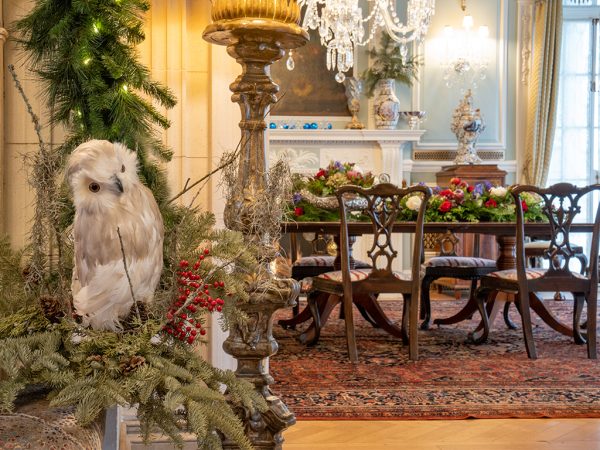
x=561 y=205
x=382 y=205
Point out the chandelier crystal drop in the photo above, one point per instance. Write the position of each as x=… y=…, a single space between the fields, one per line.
x=342 y=25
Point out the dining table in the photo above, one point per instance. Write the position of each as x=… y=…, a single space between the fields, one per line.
x=504 y=232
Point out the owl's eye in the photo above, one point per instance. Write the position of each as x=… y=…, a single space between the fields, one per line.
x=94 y=187
x=123 y=168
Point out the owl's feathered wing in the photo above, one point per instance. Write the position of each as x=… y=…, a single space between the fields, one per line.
x=101 y=291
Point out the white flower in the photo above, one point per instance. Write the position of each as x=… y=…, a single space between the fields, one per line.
x=498 y=191
x=414 y=202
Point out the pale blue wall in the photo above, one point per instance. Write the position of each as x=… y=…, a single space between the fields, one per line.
x=439 y=101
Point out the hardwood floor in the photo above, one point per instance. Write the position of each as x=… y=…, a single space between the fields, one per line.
x=482 y=434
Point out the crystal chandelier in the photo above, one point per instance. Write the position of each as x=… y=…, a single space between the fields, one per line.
x=465 y=53
x=342 y=26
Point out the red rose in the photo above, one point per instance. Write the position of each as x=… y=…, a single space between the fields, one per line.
x=455 y=181
x=298 y=211
x=491 y=203
x=446 y=193
x=445 y=206
x=470 y=189
x=321 y=173
x=524 y=206
x=463 y=185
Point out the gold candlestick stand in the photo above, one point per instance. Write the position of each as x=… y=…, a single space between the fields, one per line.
x=257 y=33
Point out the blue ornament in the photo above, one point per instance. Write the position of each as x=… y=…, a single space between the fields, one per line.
x=306 y=126
x=285 y=126
x=329 y=126
x=272 y=125
x=314 y=126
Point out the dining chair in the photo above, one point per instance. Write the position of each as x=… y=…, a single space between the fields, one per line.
x=305 y=268
x=561 y=205
x=381 y=205
x=449 y=265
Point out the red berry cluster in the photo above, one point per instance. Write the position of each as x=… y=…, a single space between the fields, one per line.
x=195 y=297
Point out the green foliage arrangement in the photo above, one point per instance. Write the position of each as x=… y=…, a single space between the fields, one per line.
x=460 y=202
x=95 y=87
x=84 y=51
x=387 y=62
x=323 y=184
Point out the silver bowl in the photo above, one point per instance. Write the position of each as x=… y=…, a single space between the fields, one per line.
x=413 y=118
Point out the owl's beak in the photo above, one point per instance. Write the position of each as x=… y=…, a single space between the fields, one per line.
x=118 y=184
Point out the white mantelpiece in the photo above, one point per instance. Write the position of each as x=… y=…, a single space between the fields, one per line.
x=378 y=150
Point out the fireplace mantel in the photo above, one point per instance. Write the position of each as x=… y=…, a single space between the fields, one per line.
x=377 y=150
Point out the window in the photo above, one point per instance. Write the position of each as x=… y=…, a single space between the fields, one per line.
x=576 y=152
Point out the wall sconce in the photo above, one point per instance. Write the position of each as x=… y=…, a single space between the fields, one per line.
x=465 y=52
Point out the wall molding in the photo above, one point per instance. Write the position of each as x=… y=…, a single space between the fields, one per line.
x=501 y=74
x=526 y=21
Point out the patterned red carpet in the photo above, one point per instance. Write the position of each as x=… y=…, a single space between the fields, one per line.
x=452 y=379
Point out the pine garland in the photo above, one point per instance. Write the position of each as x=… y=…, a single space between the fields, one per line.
x=174 y=389
x=84 y=52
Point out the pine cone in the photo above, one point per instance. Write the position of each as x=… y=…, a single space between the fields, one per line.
x=52 y=308
x=128 y=365
x=130 y=320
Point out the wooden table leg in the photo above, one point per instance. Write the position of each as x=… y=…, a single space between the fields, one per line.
x=538 y=306
x=465 y=313
x=290 y=324
x=312 y=333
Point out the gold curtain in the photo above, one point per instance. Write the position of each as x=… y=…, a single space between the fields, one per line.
x=543 y=91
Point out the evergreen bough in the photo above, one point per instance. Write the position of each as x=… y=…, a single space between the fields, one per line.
x=95 y=88
x=84 y=52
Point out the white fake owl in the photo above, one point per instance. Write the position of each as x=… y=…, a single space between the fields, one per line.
x=108 y=195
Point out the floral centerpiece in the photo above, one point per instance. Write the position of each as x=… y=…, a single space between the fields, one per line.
x=314 y=197
x=461 y=202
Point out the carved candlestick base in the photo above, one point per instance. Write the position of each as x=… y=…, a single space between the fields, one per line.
x=251 y=345
x=257 y=33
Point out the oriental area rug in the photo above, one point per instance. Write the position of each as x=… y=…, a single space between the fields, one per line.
x=453 y=379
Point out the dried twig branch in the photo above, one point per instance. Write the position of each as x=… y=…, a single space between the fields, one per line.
x=228 y=161
x=137 y=311
x=34 y=118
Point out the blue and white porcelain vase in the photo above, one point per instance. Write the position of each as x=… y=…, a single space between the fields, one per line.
x=387 y=106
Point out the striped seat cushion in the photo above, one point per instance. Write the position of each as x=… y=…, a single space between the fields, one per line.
x=323 y=261
x=360 y=274
x=460 y=261
x=316 y=260
x=532 y=274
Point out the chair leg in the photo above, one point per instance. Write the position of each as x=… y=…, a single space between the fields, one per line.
x=363 y=312
x=578 y=300
x=509 y=323
x=426 y=302
x=350 y=334
x=480 y=296
x=525 y=310
x=584 y=263
x=405 y=319
x=592 y=311
x=413 y=328
x=313 y=305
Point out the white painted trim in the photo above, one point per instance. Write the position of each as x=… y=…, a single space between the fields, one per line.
x=330 y=136
x=524 y=53
x=412 y=166
x=502 y=75
x=225 y=135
